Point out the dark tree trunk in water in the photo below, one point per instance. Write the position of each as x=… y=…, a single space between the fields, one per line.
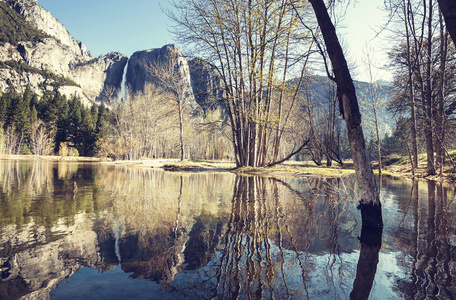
x=370 y=201
x=448 y=9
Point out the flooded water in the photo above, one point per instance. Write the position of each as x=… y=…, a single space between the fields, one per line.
x=129 y=233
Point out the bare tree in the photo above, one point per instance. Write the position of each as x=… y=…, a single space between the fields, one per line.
x=406 y=8
x=14 y=141
x=142 y=127
x=375 y=100
x=256 y=48
x=109 y=94
x=172 y=75
x=2 y=139
x=41 y=141
x=370 y=201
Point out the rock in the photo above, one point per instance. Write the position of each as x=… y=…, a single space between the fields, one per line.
x=206 y=84
x=40 y=63
x=43 y=20
x=60 y=54
x=48 y=54
x=100 y=78
x=139 y=72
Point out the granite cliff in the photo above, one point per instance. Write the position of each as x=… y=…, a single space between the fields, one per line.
x=51 y=59
x=42 y=63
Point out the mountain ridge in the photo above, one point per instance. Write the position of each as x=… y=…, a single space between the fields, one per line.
x=52 y=60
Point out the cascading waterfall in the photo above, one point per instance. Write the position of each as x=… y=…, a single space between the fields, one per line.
x=123 y=85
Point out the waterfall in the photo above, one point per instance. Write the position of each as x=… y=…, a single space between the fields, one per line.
x=123 y=85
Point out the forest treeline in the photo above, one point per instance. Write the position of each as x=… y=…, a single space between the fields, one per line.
x=272 y=108
x=144 y=126
x=51 y=124
x=147 y=126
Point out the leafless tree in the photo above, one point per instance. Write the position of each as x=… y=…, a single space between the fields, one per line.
x=41 y=141
x=142 y=127
x=370 y=201
x=14 y=141
x=256 y=48
x=172 y=75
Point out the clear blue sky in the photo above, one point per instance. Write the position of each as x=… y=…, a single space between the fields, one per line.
x=128 y=26
x=113 y=25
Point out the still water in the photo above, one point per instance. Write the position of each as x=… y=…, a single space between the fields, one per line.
x=130 y=233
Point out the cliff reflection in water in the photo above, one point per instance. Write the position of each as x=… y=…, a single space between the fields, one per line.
x=214 y=235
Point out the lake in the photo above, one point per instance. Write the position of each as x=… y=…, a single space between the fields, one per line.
x=144 y=233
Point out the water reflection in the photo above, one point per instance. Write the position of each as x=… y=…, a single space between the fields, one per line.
x=427 y=232
x=215 y=235
x=371 y=242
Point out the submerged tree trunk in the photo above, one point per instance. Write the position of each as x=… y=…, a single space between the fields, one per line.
x=370 y=201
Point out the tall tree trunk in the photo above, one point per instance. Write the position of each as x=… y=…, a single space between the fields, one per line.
x=448 y=8
x=379 y=142
x=440 y=115
x=370 y=205
x=412 y=86
x=429 y=102
x=181 y=130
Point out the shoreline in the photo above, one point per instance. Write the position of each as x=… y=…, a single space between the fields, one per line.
x=286 y=169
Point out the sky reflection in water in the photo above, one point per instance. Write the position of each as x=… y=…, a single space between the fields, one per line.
x=144 y=233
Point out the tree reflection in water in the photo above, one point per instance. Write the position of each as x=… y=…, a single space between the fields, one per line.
x=217 y=235
x=371 y=242
x=265 y=245
x=426 y=236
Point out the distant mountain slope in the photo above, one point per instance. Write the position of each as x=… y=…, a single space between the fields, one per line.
x=319 y=90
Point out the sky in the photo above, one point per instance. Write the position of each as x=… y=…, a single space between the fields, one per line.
x=127 y=26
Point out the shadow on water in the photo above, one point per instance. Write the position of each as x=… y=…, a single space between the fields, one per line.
x=217 y=236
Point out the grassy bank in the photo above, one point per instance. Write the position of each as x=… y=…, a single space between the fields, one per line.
x=401 y=166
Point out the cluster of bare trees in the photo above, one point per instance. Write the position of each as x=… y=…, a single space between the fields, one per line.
x=139 y=127
x=153 y=124
x=256 y=47
x=327 y=137
x=425 y=79
x=40 y=140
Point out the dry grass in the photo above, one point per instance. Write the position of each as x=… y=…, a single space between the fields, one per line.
x=401 y=166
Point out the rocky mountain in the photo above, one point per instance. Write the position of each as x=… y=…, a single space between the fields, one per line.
x=37 y=51
x=47 y=58
x=53 y=59
x=320 y=90
x=158 y=65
